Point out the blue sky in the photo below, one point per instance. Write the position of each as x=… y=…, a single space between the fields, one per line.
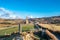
x=31 y=8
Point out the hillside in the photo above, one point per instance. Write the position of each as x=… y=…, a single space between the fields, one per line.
x=47 y=20
x=9 y=22
x=44 y=20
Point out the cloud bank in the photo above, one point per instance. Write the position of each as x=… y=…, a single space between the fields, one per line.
x=7 y=14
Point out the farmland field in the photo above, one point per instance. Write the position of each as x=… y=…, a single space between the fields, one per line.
x=25 y=27
x=52 y=27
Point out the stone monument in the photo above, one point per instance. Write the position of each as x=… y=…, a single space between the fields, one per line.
x=27 y=20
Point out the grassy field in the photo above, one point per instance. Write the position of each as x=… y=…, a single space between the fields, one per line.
x=25 y=27
x=52 y=27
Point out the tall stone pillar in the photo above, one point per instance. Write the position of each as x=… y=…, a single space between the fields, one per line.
x=27 y=20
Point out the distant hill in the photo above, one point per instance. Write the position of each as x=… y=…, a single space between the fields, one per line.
x=10 y=21
x=52 y=20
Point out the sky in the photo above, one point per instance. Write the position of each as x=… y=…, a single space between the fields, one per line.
x=30 y=8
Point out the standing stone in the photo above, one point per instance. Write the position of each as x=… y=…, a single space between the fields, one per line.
x=27 y=20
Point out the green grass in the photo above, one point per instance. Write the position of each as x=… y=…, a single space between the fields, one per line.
x=14 y=29
x=8 y=31
x=27 y=27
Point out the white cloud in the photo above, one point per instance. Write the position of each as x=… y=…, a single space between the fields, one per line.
x=5 y=11
x=30 y=16
x=7 y=14
x=2 y=9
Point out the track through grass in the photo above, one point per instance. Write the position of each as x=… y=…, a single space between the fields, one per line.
x=25 y=27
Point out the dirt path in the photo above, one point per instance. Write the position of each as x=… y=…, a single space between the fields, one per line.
x=6 y=28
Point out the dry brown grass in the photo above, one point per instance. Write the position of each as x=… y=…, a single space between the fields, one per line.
x=6 y=25
x=52 y=27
